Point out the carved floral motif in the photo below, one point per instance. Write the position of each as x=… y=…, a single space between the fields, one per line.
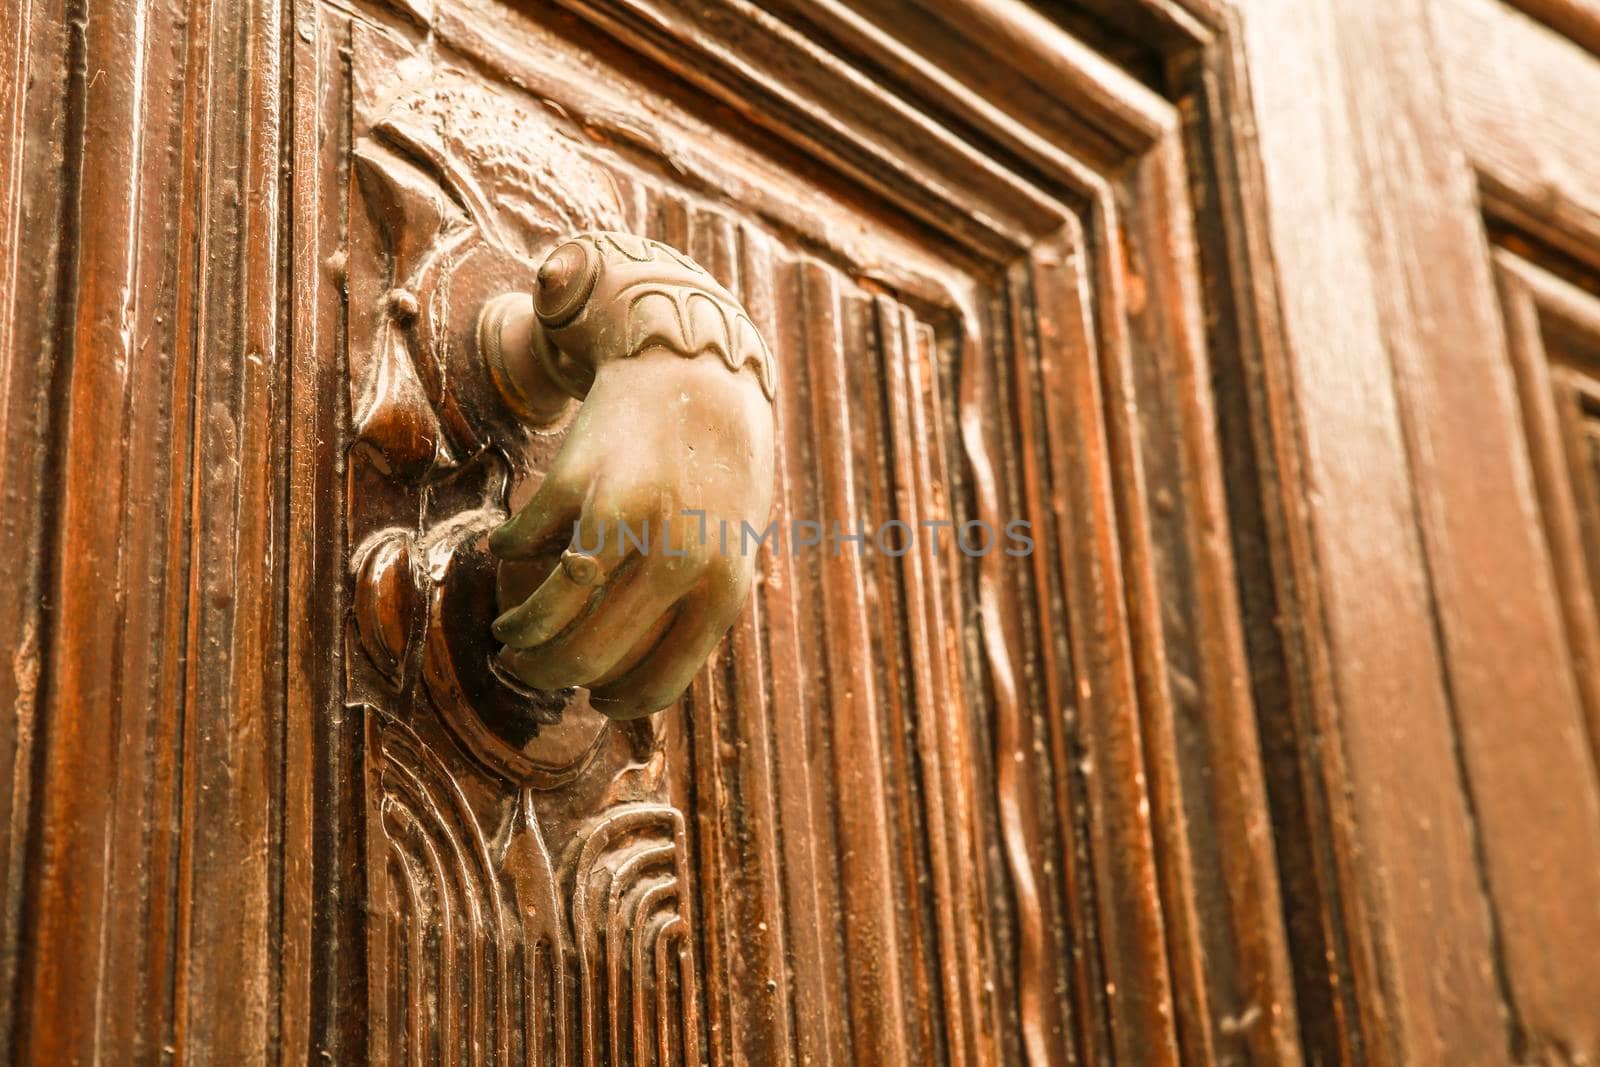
x=528 y=881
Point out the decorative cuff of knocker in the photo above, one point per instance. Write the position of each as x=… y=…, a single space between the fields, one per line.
x=601 y=297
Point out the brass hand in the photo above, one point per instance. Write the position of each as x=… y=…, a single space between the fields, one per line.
x=669 y=460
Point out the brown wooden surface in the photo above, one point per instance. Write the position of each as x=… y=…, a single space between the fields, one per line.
x=1277 y=319
x=1468 y=823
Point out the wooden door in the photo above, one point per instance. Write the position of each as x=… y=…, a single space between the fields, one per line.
x=924 y=806
x=1273 y=325
x=1434 y=224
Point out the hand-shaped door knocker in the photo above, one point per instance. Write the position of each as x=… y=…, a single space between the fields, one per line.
x=671 y=448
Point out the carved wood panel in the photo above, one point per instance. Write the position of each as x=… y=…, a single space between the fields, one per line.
x=528 y=874
x=912 y=810
x=264 y=800
x=1442 y=731
x=844 y=457
x=921 y=806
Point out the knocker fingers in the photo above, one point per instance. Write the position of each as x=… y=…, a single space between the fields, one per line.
x=633 y=608
x=549 y=515
x=666 y=671
x=579 y=576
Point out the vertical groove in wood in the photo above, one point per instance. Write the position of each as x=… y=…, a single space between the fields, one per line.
x=341 y=869
x=60 y=971
x=1087 y=464
x=871 y=926
x=951 y=739
x=228 y=991
x=380 y=934
x=1158 y=569
x=874 y=332
x=318 y=952
x=1221 y=875
x=33 y=344
x=804 y=778
x=192 y=305
x=740 y=820
x=757 y=688
x=309 y=523
x=992 y=455
x=150 y=676
x=119 y=579
x=1286 y=614
x=929 y=692
x=1086 y=1039
x=1096 y=292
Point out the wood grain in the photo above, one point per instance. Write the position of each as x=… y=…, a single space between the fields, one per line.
x=918 y=808
x=31 y=348
x=1475 y=584
x=1365 y=613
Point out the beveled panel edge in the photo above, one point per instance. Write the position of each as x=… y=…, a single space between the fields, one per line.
x=938 y=172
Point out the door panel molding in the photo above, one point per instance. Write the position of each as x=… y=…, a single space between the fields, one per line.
x=1395 y=385
x=1075 y=196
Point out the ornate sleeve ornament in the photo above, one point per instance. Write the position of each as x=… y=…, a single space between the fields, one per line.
x=604 y=296
x=666 y=444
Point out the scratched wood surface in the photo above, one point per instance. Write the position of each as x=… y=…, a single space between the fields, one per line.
x=1444 y=662
x=1277 y=321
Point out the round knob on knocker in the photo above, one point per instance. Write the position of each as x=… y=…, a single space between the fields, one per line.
x=671 y=447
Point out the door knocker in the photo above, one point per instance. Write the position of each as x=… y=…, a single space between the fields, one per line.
x=670 y=447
